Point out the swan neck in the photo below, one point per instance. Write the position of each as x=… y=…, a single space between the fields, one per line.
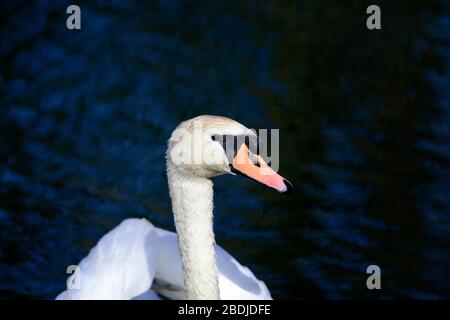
x=192 y=204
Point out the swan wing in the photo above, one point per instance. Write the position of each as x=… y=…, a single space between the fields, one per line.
x=121 y=266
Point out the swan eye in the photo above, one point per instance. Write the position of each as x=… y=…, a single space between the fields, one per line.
x=213 y=138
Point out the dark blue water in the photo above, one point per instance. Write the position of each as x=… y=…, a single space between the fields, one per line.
x=364 y=129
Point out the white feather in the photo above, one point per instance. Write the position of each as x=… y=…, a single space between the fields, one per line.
x=126 y=261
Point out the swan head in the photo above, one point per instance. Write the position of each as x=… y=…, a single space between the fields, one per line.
x=208 y=146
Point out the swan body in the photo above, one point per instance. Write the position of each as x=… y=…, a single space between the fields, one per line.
x=136 y=259
x=136 y=256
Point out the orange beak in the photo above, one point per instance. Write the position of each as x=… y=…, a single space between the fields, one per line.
x=258 y=170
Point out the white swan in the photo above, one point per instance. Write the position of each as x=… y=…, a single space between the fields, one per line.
x=136 y=259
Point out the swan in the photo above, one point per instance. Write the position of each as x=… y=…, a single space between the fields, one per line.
x=137 y=260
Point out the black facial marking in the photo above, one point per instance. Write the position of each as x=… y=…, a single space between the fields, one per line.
x=232 y=143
